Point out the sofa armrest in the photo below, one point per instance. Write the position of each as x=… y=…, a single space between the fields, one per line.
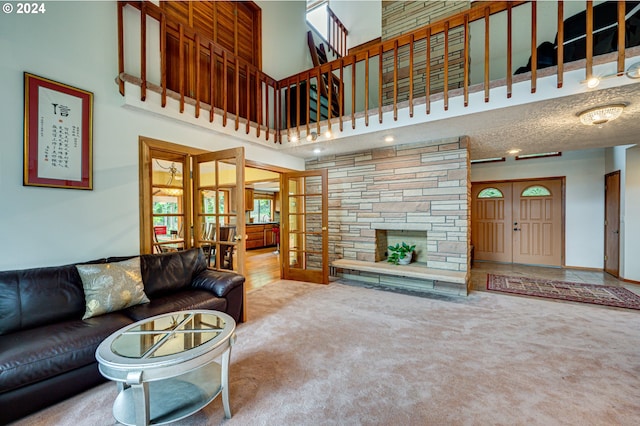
x=218 y=282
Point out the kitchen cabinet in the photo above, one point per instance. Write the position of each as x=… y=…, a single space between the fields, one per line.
x=260 y=235
x=248 y=199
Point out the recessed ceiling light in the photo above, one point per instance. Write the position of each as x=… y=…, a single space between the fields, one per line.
x=327 y=134
x=634 y=70
x=317 y=151
x=513 y=151
x=593 y=82
x=389 y=139
x=293 y=138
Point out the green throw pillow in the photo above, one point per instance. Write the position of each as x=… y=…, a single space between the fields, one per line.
x=113 y=286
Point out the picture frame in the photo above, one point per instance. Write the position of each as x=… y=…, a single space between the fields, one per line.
x=58 y=134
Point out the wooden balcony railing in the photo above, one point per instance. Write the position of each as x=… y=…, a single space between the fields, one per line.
x=336 y=34
x=410 y=70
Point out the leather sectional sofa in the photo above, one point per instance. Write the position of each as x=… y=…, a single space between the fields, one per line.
x=47 y=351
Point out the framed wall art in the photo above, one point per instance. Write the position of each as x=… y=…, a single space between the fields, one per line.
x=58 y=122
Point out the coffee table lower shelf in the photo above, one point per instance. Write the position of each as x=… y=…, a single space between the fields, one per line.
x=174 y=398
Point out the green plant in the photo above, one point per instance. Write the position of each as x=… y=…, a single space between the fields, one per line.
x=399 y=251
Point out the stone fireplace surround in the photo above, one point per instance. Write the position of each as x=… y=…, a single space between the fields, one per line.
x=416 y=191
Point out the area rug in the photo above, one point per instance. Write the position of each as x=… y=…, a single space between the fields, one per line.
x=575 y=292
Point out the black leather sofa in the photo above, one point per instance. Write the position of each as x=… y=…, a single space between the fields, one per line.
x=47 y=351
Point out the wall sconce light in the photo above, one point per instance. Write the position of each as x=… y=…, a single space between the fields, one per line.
x=601 y=115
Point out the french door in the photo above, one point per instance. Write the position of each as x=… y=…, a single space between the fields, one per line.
x=304 y=231
x=518 y=221
x=193 y=198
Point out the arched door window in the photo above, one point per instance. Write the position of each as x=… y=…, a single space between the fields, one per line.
x=536 y=191
x=490 y=193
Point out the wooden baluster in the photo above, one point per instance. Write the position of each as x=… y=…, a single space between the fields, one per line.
x=466 y=60
x=266 y=106
x=121 y=48
x=560 y=49
x=318 y=104
x=236 y=92
x=181 y=65
x=621 y=36
x=143 y=51
x=395 y=80
x=411 y=75
x=308 y=95
x=446 y=66
x=589 y=40
x=277 y=111
x=197 y=43
x=366 y=88
x=212 y=73
x=258 y=103
x=486 y=53
x=298 y=104
x=341 y=93
x=163 y=59
x=534 y=46
x=330 y=95
x=509 y=48
x=353 y=92
x=427 y=73
x=225 y=88
x=380 y=84
x=289 y=106
x=248 y=88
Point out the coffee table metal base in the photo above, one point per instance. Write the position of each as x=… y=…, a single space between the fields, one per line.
x=173 y=399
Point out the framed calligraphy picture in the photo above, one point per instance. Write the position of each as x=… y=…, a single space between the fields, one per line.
x=58 y=122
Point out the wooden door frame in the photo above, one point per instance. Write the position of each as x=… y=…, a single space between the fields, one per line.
x=563 y=180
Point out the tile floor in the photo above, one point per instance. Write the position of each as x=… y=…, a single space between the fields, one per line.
x=480 y=270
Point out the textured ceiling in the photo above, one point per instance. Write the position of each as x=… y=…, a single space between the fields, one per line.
x=550 y=125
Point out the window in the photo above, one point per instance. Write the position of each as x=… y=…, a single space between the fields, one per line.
x=262 y=208
x=490 y=193
x=536 y=191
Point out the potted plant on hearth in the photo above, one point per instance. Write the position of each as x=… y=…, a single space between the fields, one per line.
x=400 y=254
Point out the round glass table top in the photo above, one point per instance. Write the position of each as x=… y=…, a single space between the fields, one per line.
x=168 y=335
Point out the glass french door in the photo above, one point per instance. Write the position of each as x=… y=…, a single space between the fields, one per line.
x=304 y=226
x=219 y=210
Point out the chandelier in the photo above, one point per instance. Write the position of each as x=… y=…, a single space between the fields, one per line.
x=601 y=115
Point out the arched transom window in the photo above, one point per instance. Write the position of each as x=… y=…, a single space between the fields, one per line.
x=490 y=193
x=536 y=191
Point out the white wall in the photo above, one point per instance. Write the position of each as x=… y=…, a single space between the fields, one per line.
x=630 y=219
x=584 y=202
x=284 y=38
x=76 y=43
x=363 y=19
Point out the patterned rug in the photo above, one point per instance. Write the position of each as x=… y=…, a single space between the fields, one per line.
x=575 y=292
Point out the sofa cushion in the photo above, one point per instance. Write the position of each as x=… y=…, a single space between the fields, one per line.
x=112 y=286
x=167 y=272
x=178 y=301
x=38 y=296
x=29 y=356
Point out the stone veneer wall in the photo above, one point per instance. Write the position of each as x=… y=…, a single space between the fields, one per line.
x=415 y=186
x=400 y=17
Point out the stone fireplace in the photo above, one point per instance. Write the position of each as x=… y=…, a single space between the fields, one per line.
x=418 y=193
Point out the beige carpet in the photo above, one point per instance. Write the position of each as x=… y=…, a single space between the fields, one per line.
x=346 y=355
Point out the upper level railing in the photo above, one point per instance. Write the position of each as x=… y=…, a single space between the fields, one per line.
x=336 y=33
x=412 y=69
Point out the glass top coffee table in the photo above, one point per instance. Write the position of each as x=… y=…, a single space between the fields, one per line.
x=166 y=366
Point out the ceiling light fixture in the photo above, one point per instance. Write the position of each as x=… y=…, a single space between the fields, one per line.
x=311 y=137
x=601 y=115
x=293 y=138
x=593 y=82
x=328 y=134
x=389 y=139
x=514 y=151
x=633 y=71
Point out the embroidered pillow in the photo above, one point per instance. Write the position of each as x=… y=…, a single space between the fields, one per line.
x=112 y=286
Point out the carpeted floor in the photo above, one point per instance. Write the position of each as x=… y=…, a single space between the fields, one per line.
x=347 y=355
x=575 y=292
